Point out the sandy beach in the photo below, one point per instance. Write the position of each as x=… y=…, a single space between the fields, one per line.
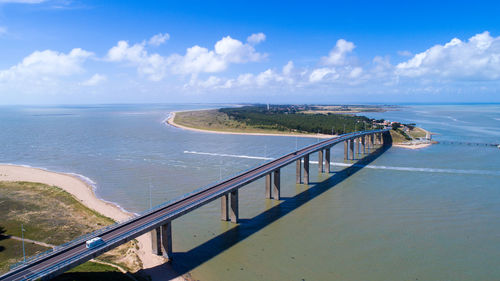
x=170 y=121
x=413 y=146
x=153 y=265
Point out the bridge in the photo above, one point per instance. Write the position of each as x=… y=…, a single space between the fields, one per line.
x=158 y=220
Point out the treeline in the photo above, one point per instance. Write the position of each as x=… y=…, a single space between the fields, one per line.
x=288 y=118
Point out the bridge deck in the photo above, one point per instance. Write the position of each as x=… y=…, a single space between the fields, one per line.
x=67 y=257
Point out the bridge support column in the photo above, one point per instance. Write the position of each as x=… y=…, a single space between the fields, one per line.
x=276 y=185
x=351 y=147
x=327 y=160
x=358 y=144
x=298 y=171
x=166 y=240
x=320 y=161
x=224 y=210
x=156 y=241
x=306 y=169
x=346 y=150
x=371 y=141
x=268 y=186
x=233 y=210
x=363 y=144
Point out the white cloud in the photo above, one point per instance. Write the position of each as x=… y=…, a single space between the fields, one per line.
x=256 y=38
x=3 y=30
x=319 y=74
x=337 y=55
x=475 y=59
x=158 y=39
x=48 y=63
x=288 y=68
x=152 y=65
x=94 y=80
x=226 y=51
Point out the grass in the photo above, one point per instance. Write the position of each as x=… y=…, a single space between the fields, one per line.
x=48 y=214
x=91 y=271
x=418 y=133
x=51 y=215
x=11 y=251
x=213 y=120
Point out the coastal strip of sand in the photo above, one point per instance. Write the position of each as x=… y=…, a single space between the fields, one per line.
x=413 y=146
x=171 y=117
x=171 y=121
x=153 y=265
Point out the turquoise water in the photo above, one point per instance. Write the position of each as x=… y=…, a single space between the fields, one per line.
x=429 y=214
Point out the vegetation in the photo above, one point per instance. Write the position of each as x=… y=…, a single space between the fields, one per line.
x=53 y=216
x=91 y=271
x=288 y=118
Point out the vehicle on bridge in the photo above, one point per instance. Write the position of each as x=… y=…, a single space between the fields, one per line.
x=94 y=242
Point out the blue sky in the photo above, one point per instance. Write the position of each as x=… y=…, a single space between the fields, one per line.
x=67 y=52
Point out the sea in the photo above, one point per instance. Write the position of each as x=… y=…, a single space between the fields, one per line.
x=425 y=214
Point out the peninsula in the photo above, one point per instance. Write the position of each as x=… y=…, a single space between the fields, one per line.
x=298 y=120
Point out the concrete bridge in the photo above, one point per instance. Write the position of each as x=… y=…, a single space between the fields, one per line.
x=158 y=220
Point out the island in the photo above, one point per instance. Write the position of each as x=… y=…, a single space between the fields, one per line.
x=319 y=121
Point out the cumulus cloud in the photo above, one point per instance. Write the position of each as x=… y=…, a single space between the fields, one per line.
x=319 y=74
x=475 y=59
x=337 y=55
x=48 y=63
x=94 y=80
x=226 y=51
x=152 y=65
x=158 y=39
x=256 y=38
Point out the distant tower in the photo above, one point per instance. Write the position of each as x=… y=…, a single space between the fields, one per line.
x=267 y=106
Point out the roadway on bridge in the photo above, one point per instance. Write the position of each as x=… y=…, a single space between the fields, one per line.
x=79 y=253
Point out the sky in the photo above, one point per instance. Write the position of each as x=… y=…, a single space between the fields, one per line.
x=329 y=52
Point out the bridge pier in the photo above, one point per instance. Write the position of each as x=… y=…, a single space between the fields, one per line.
x=327 y=160
x=351 y=148
x=233 y=210
x=224 y=210
x=306 y=169
x=363 y=144
x=298 y=171
x=358 y=144
x=346 y=150
x=166 y=240
x=268 y=186
x=156 y=241
x=276 y=185
x=161 y=240
x=320 y=161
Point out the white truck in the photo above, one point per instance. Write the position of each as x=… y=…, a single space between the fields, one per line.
x=94 y=242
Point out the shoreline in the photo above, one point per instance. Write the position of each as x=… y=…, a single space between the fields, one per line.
x=170 y=121
x=82 y=188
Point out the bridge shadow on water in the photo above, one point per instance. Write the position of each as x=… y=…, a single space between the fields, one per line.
x=183 y=262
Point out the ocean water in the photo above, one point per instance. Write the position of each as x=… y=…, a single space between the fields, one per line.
x=428 y=214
